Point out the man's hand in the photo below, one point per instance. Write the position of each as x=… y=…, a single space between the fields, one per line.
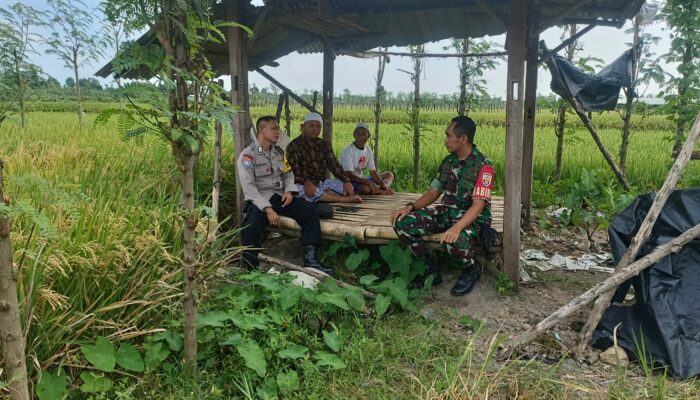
x=272 y=217
x=309 y=188
x=399 y=214
x=349 y=191
x=376 y=189
x=450 y=236
x=287 y=199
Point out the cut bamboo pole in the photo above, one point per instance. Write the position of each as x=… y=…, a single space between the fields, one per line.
x=602 y=303
x=320 y=275
x=620 y=276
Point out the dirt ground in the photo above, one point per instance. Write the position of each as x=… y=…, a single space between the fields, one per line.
x=509 y=315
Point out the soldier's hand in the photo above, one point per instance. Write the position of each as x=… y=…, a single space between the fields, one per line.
x=309 y=188
x=450 y=236
x=374 y=188
x=349 y=191
x=399 y=214
x=273 y=218
x=287 y=199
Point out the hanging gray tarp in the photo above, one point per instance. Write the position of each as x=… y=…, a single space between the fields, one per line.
x=597 y=92
x=664 y=321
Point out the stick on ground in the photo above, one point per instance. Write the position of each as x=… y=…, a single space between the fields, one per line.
x=614 y=281
x=320 y=275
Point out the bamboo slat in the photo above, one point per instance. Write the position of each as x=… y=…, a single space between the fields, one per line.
x=369 y=221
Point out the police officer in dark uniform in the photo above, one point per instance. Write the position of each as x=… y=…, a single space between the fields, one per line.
x=268 y=188
x=465 y=181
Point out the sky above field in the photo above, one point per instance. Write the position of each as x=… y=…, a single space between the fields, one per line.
x=300 y=72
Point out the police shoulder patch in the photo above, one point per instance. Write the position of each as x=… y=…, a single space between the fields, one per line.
x=486 y=178
x=247 y=161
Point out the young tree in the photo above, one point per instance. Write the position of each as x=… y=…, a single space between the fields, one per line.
x=472 y=85
x=194 y=102
x=11 y=337
x=382 y=61
x=16 y=44
x=562 y=105
x=682 y=93
x=74 y=39
x=645 y=68
x=415 y=109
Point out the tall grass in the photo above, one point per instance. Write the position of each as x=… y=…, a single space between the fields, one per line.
x=110 y=267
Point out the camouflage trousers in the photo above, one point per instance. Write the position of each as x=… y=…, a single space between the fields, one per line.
x=436 y=220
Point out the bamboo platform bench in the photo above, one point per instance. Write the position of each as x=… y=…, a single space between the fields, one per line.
x=369 y=223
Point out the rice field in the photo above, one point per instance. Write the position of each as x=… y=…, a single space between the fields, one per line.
x=98 y=242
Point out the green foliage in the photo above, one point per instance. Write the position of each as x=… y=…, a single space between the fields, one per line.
x=592 y=203
x=94 y=383
x=503 y=284
x=129 y=358
x=101 y=355
x=52 y=386
x=471 y=322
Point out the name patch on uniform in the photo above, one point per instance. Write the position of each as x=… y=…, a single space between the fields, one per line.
x=247 y=161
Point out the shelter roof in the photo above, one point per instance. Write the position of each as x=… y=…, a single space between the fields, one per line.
x=285 y=26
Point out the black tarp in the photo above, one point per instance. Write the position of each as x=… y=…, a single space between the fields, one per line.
x=665 y=317
x=597 y=92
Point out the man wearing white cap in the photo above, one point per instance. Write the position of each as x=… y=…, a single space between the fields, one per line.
x=356 y=157
x=310 y=157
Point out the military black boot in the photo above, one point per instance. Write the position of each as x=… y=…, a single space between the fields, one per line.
x=467 y=279
x=430 y=270
x=310 y=260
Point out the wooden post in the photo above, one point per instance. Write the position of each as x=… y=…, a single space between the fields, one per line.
x=287 y=116
x=216 y=187
x=238 y=66
x=517 y=33
x=328 y=70
x=529 y=124
x=280 y=104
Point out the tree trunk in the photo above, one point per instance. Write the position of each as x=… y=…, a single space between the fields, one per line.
x=11 y=336
x=683 y=86
x=462 y=107
x=630 y=93
x=560 y=124
x=189 y=260
x=415 y=114
x=20 y=92
x=378 y=106
x=559 y=132
x=77 y=86
x=216 y=187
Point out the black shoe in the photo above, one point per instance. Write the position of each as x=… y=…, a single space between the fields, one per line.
x=466 y=281
x=430 y=270
x=311 y=261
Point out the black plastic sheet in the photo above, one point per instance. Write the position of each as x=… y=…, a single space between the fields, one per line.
x=598 y=92
x=664 y=321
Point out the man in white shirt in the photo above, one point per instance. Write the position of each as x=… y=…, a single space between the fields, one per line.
x=356 y=157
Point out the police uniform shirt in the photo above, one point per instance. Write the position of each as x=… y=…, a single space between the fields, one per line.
x=264 y=173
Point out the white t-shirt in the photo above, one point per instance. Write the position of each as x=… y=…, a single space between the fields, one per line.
x=356 y=160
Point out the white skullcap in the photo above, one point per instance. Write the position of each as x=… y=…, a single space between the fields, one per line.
x=362 y=125
x=312 y=116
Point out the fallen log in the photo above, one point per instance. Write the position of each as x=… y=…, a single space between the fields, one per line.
x=603 y=302
x=611 y=283
x=320 y=275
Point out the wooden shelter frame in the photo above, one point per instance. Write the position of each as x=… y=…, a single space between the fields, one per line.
x=522 y=49
x=522 y=20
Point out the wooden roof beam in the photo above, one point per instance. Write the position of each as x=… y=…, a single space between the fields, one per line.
x=287 y=90
x=563 y=44
x=567 y=12
x=492 y=13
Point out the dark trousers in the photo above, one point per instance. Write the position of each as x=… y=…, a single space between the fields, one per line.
x=255 y=222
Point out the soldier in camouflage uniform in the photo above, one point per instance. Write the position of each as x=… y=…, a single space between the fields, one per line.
x=465 y=181
x=268 y=188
